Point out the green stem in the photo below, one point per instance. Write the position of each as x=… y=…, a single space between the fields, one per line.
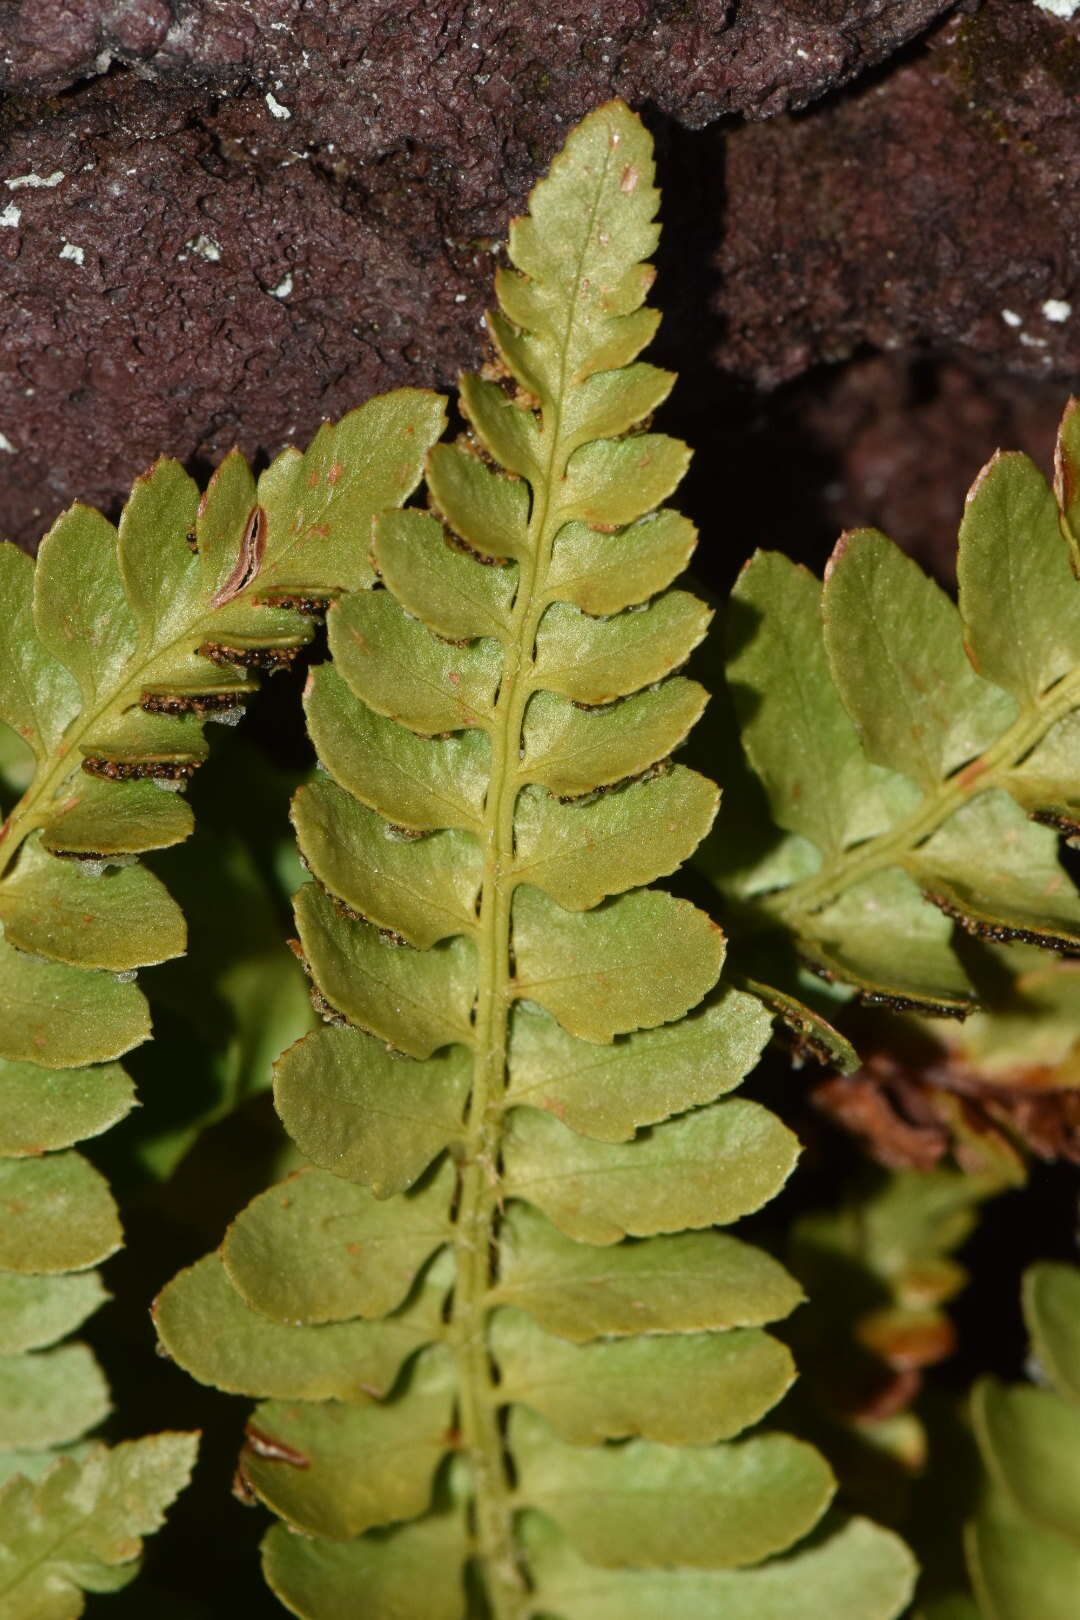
x=479 y=1207
x=479 y=1193
x=889 y=848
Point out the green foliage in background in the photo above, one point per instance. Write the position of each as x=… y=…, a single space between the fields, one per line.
x=1024 y=1543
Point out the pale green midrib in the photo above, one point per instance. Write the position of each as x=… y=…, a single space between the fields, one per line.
x=30 y=812
x=889 y=848
x=479 y=1206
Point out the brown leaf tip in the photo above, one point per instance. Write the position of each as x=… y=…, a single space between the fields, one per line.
x=248 y=561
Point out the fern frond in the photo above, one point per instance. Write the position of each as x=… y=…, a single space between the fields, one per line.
x=505 y=1355
x=1024 y=1544
x=918 y=756
x=114 y=649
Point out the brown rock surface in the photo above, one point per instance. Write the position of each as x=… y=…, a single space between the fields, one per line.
x=230 y=221
x=361 y=71
x=180 y=289
x=934 y=204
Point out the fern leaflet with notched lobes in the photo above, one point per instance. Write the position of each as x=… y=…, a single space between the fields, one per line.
x=114 y=649
x=79 y=1527
x=1023 y=1545
x=503 y=1355
x=919 y=756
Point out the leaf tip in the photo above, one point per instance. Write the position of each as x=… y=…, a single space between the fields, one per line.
x=838 y=552
x=981 y=477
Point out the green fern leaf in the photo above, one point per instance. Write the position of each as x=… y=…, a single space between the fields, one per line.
x=670 y=1284
x=59 y=1215
x=224 y=1342
x=906 y=744
x=701 y=1169
x=609 y=1389
x=320 y=1490
x=530 y=1058
x=415 y=1568
x=395 y=884
x=116 y=647
x=45 y=1109
x=319 y=504
x=36 y=1311
x=332 y=1249
x=1018 y=636
x=734 y=1504
x=608 y=1092
x=857 y=1572
x=50 y=1398
x=1024 y=1543
x=360 y=1110
x=897 y=654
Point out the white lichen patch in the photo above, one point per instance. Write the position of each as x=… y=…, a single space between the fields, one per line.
x=1059 y=8
x=1011 y=318
x=72 y=251
x=283 y=288
x=17 y=181
x=1057 y=309
x=205 y=247
x=6 y=445
x=276 y=109
x=10 y=217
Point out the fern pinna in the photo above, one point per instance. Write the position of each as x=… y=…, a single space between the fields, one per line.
x=920 y=757
x=114 y=649
x=498 y=1345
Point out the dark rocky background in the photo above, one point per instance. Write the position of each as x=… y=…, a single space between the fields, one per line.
x=222 y=220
